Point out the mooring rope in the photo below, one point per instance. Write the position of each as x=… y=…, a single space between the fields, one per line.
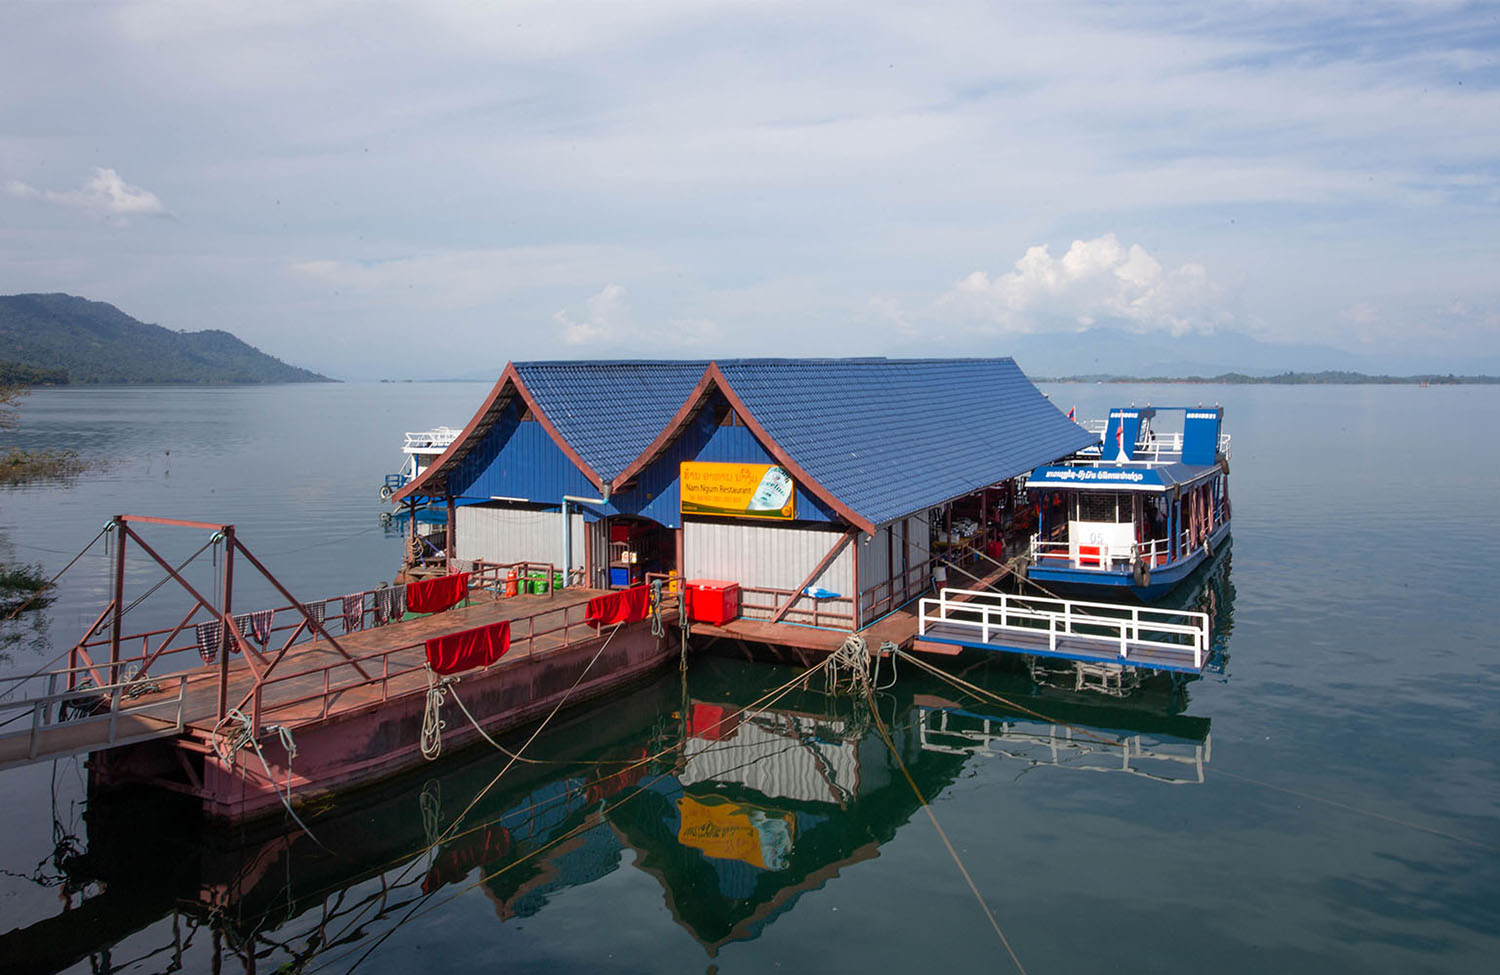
x=432 y=715
x=20 y=682
x=927 y=808
x=975 y=689
x=765 y=700
x=590 y=822
x=244 y=735
x=852 y=657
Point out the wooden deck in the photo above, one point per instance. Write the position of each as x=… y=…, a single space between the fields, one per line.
x=899 y=628
x=313 y=681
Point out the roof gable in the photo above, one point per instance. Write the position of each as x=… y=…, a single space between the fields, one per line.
x=609 y=412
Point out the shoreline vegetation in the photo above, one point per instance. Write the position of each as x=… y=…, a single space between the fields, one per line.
x=1325 y=378
x=20 y=467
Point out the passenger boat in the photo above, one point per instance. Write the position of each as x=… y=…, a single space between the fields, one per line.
x=1141 y=510
x=421 y=448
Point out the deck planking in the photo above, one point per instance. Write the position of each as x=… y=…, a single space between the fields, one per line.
x=295 y=694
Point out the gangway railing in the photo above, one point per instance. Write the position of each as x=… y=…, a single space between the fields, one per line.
x=1127 y=629
x=111 y=715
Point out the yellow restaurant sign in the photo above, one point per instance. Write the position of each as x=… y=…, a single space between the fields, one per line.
x=739 y=490
x=729 y=831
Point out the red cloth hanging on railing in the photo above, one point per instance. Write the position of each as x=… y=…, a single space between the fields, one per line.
x=479 y=647
x=626 y=606
x=436 y=595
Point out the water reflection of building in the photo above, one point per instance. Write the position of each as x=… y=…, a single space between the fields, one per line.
x=734 y=815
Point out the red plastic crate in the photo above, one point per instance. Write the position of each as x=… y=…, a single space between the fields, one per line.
x=713 y=600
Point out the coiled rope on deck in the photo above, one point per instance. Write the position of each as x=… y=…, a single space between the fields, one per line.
x=244 y=736
x=432 y=715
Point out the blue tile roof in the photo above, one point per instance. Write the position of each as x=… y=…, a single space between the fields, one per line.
x=885 y=437
x=890 y=437
x=610 y=411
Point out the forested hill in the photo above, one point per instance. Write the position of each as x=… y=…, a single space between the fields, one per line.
x=63 y=339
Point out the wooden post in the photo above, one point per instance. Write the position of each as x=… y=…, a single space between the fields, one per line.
x=448 y=544
x=906 y=559
x=114 y=636
x=226 y=613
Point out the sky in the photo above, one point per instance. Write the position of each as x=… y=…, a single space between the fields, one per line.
x=423 y=190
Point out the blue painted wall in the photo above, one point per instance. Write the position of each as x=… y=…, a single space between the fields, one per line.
x=657 y=494
x=517 y=459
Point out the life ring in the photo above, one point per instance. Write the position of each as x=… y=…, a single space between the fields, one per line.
x=385 y=492
x=385 y=519
x=1141 y=574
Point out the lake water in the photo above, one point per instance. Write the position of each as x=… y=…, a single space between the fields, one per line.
x=1328 y=800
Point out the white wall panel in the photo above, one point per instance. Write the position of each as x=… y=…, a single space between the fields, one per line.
x=514 y=534
x=767 y=556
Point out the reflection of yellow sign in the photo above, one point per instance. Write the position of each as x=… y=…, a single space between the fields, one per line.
x=729 y=831
x=742 y=490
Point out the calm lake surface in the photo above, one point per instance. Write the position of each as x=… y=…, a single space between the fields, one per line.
x=1328 y=800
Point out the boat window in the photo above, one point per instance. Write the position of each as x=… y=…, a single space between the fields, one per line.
x=1093 y=506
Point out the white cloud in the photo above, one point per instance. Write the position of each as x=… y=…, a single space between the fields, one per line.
x=466 y=278
x=608 y=323
x=1098 y=281
x=105 y=193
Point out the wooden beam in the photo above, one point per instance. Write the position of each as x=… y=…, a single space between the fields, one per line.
x=818 y=570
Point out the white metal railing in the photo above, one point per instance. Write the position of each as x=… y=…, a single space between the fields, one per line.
x=1122 y=627
x=115 y=701
x=1156 y=551
x=1157 y=449
x=435 y=440
x=1051 y=553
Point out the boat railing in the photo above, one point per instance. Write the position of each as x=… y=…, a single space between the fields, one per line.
x=1104 y=558
x=435 y=440
x=992 y=615
x=1099 y=556
x=1153 y=450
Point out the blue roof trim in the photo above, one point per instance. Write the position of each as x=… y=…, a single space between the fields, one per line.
x=609 y=412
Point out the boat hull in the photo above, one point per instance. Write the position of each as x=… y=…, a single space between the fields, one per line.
x=1164 y=578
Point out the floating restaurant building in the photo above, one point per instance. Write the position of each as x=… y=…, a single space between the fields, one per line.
x=817 y=487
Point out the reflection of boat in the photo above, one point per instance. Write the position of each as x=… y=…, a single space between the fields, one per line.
x=734 y=812
x=1142 y=510
x=420 y=449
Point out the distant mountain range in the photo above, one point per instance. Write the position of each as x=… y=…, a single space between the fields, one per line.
x=1101 y=351
x=63 y=339
x=1326 y=378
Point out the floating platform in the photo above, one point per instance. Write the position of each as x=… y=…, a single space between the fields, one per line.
x=1130 y=636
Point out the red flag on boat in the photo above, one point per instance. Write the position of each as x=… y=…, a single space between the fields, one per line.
x=1072 y=410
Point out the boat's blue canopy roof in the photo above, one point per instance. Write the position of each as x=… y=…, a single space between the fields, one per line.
x=1118 y=477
